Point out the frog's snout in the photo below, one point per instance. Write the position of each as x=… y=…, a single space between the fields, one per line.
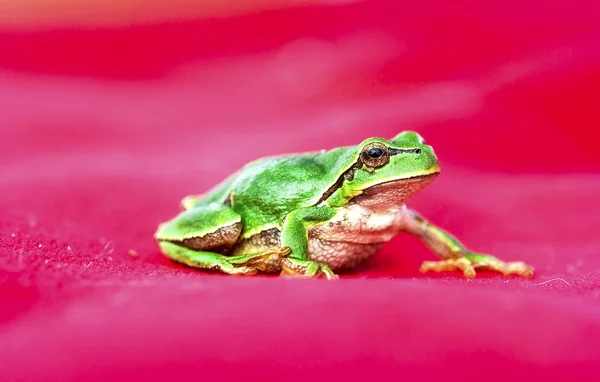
x=428 y=158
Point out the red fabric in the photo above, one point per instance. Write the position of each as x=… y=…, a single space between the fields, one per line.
x=104 y=130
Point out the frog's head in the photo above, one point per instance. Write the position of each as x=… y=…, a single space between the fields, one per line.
x=391 y=171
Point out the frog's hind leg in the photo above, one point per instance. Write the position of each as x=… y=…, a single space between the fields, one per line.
x=203 y=236
x=249 y=264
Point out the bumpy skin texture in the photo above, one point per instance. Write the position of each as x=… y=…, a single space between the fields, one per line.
x=316 y=213
x=287 y=199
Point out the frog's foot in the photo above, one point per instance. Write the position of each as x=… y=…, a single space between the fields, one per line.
x=267 y=261
x=232 y=265
x=306 y=268
x=472 y=261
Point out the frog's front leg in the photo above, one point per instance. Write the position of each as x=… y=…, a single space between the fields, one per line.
x=455 y=256
x=294 y=235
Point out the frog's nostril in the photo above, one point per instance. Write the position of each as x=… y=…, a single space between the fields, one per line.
x=418 y=151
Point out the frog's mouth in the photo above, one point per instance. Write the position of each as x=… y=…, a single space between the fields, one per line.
x=394 y=192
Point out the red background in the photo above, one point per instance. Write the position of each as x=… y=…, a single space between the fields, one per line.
x=104 y=130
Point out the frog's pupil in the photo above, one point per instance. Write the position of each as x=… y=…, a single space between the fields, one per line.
x=375 y=152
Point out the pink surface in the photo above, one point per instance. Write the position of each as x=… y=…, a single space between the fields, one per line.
x=104 y=130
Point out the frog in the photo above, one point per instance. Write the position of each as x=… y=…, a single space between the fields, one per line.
x=319 y=214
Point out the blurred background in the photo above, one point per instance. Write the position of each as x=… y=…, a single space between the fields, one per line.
x=112 y=111
x=183 y=77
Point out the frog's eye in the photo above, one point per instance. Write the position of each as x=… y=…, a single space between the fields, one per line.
x=375 y=154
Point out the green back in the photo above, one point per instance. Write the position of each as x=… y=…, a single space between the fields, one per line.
x=265 y=191
x=268 y=189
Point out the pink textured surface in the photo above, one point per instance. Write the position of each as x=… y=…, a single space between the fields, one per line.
x=103 y=131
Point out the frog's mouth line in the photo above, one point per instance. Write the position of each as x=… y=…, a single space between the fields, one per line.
x=399 y=190
x=425 y=178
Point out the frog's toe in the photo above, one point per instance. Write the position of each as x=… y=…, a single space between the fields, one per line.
x=517 y=268
x=241 y=271
x=306 y=269
x=450 y=265
x=472 y=261
x=278 y=252
x=328 y=273
x=491 y=263
x=270 y=261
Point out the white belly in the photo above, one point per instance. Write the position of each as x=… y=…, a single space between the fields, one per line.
x=354 y=234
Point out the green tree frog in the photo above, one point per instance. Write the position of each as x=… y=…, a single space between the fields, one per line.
x=319 y=213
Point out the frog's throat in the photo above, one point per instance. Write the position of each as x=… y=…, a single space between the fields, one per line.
x=422 y=179
x=417 y=177
x=392 y=193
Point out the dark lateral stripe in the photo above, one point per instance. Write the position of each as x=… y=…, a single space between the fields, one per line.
x=348 y=175
x=394 y=151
